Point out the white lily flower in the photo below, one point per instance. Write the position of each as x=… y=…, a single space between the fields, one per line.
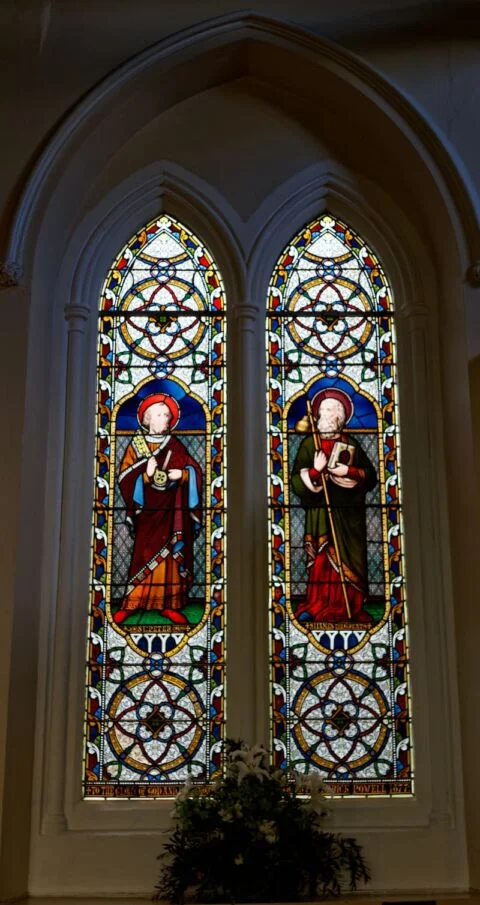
x=243 y=770
x=226 y=816
x=316 y=804
x=311 y=784
x=248 y=762
x=185 y=791
x=268 y=829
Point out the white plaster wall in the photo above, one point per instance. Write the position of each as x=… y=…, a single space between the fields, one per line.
x=52 y=54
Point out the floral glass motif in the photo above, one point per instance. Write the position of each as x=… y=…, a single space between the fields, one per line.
x=339 y=672
x=155 y=671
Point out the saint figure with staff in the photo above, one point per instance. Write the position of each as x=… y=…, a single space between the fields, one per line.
x=331 y=476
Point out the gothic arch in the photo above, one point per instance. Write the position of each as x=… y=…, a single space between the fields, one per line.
x=358 y=82
x=50 y=225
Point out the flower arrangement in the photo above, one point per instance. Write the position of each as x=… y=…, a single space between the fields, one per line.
x=256 y=836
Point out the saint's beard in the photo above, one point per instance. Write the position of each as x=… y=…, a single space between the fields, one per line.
x=328 y=425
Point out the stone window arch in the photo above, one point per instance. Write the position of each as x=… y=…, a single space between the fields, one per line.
x=59 y=253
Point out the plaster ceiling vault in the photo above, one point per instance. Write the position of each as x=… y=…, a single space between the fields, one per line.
x=285 y=90
x=244 y=125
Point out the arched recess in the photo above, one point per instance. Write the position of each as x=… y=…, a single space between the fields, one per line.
x=421 y=216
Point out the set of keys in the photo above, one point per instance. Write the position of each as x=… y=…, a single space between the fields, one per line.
x=160 y=476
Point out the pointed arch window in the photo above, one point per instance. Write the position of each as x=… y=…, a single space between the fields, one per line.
x=340 y=702
x=155 y=672
x=339 y=671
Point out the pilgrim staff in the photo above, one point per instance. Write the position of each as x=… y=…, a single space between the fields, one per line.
x=317 y=440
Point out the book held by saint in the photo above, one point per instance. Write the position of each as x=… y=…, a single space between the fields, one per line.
x=341 y=454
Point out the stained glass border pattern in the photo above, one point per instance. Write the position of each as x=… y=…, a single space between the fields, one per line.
x=352 y=666
x=182 y=666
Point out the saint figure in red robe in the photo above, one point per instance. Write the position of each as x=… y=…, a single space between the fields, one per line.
x=161 y=485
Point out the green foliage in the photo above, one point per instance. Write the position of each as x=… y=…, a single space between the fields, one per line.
x=256 y=836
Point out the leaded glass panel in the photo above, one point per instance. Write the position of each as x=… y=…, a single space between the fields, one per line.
x=339 y=671
x=155 y=671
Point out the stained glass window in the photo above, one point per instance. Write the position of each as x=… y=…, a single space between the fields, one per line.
x=340 y=688
x=155 y=674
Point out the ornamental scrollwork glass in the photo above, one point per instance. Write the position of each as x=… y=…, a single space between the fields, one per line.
x=155 y=670
x=339 y=669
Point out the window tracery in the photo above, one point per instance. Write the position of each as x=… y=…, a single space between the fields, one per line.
x=154 y=700
x=339 y=669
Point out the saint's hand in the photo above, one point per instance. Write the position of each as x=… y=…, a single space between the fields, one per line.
x=174 y=474
x=348 y=483
x=319 y=461
x=151 y=466
x=340 y=471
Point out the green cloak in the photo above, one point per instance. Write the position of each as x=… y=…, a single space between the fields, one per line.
x=347 y=507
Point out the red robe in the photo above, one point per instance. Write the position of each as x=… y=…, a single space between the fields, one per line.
x=327 y=586
x=164 y=522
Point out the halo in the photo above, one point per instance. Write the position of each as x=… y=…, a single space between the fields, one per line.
x=333 y=393
x=167 y=400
